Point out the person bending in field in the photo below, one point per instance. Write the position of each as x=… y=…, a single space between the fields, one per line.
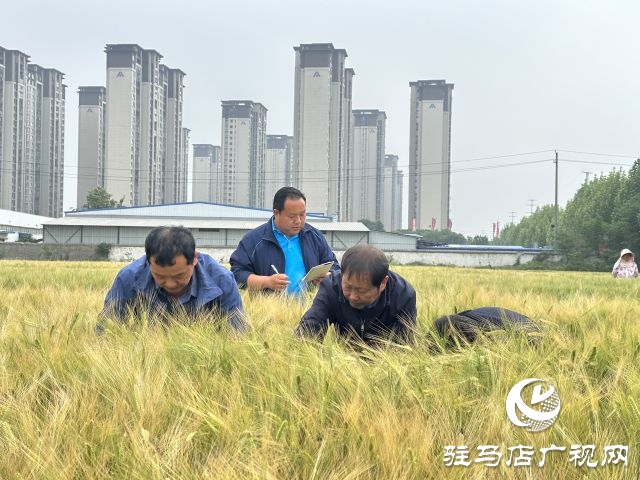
x=467 y=326
x=363 y=301
x=172 y=281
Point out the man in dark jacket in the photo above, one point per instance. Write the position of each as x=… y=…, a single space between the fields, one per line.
x=468 y=325
x=365 y=301
x=278 y=254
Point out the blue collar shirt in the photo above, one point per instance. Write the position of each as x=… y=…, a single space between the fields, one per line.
x=293 y=262
x=212 y=288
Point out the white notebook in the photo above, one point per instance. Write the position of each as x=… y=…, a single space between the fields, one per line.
x=318 y=271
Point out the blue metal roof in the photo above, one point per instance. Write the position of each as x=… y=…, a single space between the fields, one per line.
x=189 y=209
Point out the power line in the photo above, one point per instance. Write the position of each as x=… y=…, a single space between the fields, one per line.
x=369 y=172
x=492 y=167
x=596 y=163
x=600 y=154
x=501 y=156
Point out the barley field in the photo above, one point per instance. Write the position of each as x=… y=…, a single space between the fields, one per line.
x=194 y=401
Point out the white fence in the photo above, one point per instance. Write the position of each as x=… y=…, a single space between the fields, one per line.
x=456 y=258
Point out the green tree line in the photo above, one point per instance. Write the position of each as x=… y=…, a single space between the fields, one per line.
x=602 y=218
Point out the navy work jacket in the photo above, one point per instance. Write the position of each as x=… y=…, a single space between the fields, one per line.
x=392 y=316
x=259 y=249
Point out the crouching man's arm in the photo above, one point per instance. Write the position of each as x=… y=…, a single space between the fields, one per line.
x=115 y=302
x=405 y=324
x=315 y=321
x=230 y=303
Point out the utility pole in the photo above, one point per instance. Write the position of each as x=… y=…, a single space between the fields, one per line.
x=555 y=221
x=586 y=180
x=531 y=200
x=512 y=214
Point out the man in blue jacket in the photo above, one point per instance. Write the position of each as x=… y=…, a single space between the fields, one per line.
x=467 y=326
x=365 y=301
x=278 y=254
x=174 y=281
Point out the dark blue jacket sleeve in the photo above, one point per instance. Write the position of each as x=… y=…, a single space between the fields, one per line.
x=217 y=286
x=407 y=315
x=498 y=317
x=120 y=294
x=241 y=264
x=231 y=303
x=315 y=321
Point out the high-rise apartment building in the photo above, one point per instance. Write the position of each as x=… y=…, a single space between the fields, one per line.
x=145 y=161
x=277 y=167
x=14 y=122
x=48 y=131
x=391 y=205
x=398 y=202
x=206 y=172
x=92 y=116
x=176 y=165
x=244 y=140
x=151 y=167
x=182 y=190
x=430 y=154
x=346 y=194
x=124 y=118
x=32 y=116
x=322 y=117
x=365 y=174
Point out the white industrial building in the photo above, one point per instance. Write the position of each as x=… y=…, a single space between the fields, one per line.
x=213 y=225
x=20 y=227
x=219 y=228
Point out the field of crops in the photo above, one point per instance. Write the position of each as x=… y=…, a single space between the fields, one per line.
x=193 y=401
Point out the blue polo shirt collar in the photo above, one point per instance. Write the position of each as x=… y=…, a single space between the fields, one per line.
x=293 y=258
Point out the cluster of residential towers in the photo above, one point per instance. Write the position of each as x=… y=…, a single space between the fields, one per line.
x=32 y=108
x=132 y=142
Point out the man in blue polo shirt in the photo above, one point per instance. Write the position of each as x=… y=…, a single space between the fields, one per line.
x=278 y=254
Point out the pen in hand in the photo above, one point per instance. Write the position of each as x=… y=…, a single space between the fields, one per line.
x=279 y=284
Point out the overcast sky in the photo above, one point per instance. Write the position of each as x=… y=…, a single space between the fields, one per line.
x=534 y=76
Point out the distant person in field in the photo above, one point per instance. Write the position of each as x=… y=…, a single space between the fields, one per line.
x=467 y=326
x=173 y=280
x=363 y=301
x=625 y=266
x=276 y=255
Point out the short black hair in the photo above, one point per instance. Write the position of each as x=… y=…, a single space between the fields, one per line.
x=286 y=192
x=457 y=328
x=365 y=260
x=166 y=243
